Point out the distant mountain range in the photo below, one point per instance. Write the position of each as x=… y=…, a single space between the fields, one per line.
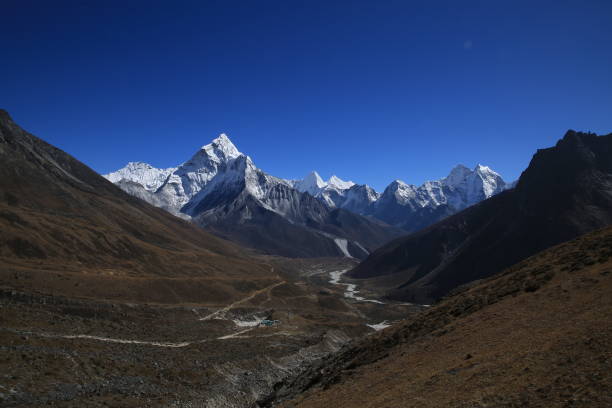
x=566 y=191
x=404 y=205
x=222 y=189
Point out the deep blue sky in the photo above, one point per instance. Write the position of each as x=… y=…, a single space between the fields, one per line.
x=369 y=90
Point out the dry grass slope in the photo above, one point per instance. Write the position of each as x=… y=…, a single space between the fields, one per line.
x=538 y=335
x=68 y=231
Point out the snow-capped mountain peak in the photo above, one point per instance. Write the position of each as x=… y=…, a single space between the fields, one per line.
x=314 y=179
x=315 y=185
x=457 y=175
x=312 y=184
x=486 y=171
x=462 y=188
x=401 y=191
x=332 y=192
x=338 y=183
x=221 y=149
x=467 y=187
x=491 y=183
x=219 y=171
x=151 y=178
x=461 y=174
x=189 y=178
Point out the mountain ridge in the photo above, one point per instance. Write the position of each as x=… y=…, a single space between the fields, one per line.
x=186 y=192
x=222 y=190
x=566 y=191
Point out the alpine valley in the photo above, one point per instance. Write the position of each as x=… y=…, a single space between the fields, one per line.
x=470 y=292
x=222 y=190
x=353 y=244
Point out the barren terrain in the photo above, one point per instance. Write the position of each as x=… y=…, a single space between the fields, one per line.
x=539 y=335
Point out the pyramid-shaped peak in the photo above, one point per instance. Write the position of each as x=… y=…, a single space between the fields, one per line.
x=222 y=144
x=313 y=178
x=312 y=183
x=222 y=139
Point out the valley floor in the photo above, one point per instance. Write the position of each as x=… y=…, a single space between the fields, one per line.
x=81 y=352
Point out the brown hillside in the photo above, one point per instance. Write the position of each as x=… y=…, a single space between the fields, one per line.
x=537 y=335
x=68 y=231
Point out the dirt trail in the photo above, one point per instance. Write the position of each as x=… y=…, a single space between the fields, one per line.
x=243 y=300
x=104 y=339
x=227 y=308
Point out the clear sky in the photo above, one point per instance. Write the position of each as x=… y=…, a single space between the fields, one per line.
x=369 y=90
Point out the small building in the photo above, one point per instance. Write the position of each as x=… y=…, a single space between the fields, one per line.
x=269 y=323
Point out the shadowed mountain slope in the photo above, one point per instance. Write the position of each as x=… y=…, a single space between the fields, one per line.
x=538 y=334
x=67 y=230
x=317 y=230
x=566 y=191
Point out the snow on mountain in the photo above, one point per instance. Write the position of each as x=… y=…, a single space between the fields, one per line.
x=359 y=198
x=314 y=184
x=339 y=184
x=457 y=175
x=221 y=149
x=216 y=168
x=222 y=189
x=311 y=184
x=429 y=194
x=331 y=192
x=411 y=207
x=151 y=178
x=219 y=173
x=460 y=189
x=240 y=176
x=192 y=176
x=467 y=187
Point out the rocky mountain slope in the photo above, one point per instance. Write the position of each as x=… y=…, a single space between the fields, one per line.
x=222 y=190
x=67 y=230
x=566 y=191
x=536 y=335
